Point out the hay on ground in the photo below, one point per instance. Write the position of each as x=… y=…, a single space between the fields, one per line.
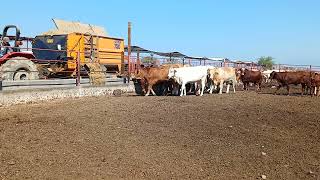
x=96 y=74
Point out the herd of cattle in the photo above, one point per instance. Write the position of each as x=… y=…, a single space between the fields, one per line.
x=176 y=77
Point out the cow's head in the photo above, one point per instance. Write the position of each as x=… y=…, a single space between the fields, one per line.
x=144 y=85
x=315 y=79
x=273 y=73
x=171 y=72
x=239 y=72
x=211 y=72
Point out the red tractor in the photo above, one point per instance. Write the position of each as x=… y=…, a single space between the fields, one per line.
x=14 y=63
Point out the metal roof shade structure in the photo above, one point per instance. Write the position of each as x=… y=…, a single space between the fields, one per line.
x=137 y=49
x=67 y=27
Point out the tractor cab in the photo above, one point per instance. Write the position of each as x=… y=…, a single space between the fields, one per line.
x=5 y=45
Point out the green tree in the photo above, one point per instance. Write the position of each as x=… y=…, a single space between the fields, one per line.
x=266 y=62
x=148 y=59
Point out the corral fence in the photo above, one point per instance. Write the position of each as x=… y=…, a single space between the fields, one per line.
x=142 y=57
x=66 y=68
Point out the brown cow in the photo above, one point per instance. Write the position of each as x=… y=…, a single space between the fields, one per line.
x=315 y=84
x=296 y=78
x=152 y=75
x=248 y=76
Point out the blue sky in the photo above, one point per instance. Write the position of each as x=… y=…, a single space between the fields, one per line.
x=288 y=30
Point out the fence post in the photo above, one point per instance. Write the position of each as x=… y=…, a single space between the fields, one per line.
x=138 y=61
x=0 y=84
x=129 y=51
x=78 y=69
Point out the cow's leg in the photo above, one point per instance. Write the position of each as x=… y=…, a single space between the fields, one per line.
x=152 y=91
x=259 y=86
x=234 y=85
x=303 y=88
x=195 y=87
x=288 y=89
x=183 y=89
x=318 y=91
x=228 y=88
x=175 y=89
x=211 y=88
x=256 y=86
x=278 y=87
x=203 y=84
x=313 y=90
x=165 y=89
x=221 y=87
x=148 y=92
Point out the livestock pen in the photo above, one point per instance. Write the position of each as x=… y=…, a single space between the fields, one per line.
x=243 y=135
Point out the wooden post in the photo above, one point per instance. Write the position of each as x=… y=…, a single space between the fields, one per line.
x=129 y=50
x=123 y=68
x=0 y=84
x=138 y=60
x=78 y=69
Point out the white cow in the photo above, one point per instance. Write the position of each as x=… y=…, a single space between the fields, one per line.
x=186 y=75
x=223 y=75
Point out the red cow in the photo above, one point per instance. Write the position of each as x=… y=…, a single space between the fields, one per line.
x=296 y=78
x=248 y=76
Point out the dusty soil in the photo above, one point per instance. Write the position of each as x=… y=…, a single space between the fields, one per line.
x=236 y=136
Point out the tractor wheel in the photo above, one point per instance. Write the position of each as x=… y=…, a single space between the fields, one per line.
x=19 y=68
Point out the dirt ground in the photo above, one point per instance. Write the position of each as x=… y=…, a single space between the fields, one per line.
x=230 y=136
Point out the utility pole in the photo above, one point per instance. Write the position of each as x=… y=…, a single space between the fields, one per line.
x=129 y=50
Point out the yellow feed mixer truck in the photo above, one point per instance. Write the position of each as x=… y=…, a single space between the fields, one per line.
x=56 y=53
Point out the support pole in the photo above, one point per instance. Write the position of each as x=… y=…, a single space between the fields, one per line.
x=138 y=60
x=78 y=69
x=129 y=50
x=0 y=84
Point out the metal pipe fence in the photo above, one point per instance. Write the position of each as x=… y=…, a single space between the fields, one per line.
x=106 y=57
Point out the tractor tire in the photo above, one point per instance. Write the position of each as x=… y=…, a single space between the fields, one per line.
x=19 y=68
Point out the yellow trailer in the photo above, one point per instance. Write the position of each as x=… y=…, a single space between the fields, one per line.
x=107 y=51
